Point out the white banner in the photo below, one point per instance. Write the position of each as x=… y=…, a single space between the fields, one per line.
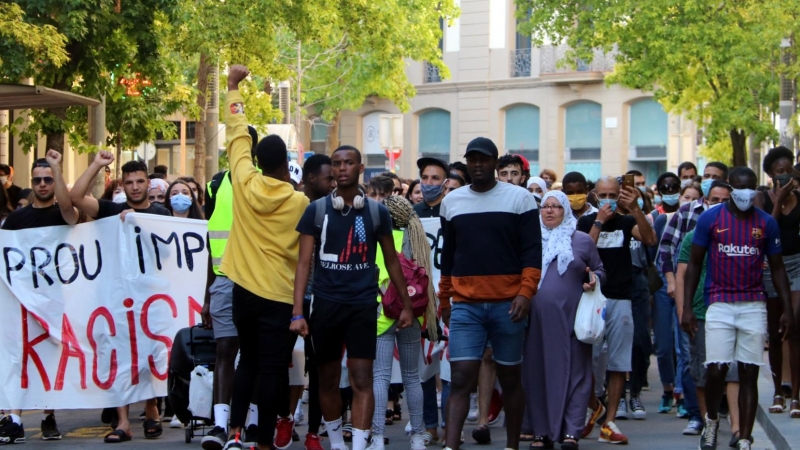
x=89 y=312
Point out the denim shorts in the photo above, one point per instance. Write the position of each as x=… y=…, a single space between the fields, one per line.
x=472 y=325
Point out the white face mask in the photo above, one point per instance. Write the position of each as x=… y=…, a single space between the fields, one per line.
x=120 y=198
x=743 y=198
x=3 y=180
x=686 y=182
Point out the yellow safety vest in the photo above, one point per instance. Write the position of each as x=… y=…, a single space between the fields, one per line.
x=219 y=224
x=384 y=323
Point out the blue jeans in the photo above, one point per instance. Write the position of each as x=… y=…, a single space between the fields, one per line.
x=664 y=322
x=685 y=374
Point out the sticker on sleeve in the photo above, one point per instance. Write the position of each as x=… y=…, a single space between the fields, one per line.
x=237 y=108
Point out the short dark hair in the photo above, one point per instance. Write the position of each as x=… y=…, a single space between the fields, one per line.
x=720 y=166
x=391 y=175
x=381 y=184
x=157 y=175
x=508 y=160
x=344 y=148
x=271 y=153
x=742 y=171
x=635 y=173
x=687 y=165
x=461 y=167
x=775 y=154
x=134 y=166
x=5 y=169
x=41 y=162
x=456 y=176
x=574 y=177
x=161 y=169
x=314 y=163
x=720 y=184
x=664 y=176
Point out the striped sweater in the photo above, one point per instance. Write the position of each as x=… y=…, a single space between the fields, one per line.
x=492 y=248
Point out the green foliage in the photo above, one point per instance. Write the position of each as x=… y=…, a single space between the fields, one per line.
x=22 y=43
x=720 y=150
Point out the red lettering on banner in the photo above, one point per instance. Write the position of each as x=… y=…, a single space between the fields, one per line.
x=112 y=331
x=194 y=307
x=163 y=339
x=29 y=351
x=134 y=348
x=69 y=348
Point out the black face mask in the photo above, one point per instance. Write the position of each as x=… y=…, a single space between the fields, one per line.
x=783 y=180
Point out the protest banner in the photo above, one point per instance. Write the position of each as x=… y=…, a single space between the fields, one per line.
x=90 y=311
x=433 y=355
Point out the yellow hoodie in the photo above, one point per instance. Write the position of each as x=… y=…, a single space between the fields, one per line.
x=261 y=255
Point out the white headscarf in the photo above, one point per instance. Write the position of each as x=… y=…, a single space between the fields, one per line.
x=542 y=184
x=557 y=243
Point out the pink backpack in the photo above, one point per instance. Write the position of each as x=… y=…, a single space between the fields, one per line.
x=417 y=282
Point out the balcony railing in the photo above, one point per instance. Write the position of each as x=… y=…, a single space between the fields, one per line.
x=551 y=55
x=432 y=74
x=520 y=63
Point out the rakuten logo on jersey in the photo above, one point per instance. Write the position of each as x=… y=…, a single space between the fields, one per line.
x=738 y=250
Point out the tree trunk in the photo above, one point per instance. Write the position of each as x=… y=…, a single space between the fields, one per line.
x=55 y=141
x=203 y=70
x=333 y=134
x=739 y=143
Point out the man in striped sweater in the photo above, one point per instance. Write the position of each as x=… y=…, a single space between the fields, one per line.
x=491 y=266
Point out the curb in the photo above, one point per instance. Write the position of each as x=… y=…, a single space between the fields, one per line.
x=780 y=433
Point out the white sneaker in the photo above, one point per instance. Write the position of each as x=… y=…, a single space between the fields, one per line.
x=304 y=398
x=175 y=422
x=417 y=442
x=473 y=408
x=376 y=443
x=299 y=416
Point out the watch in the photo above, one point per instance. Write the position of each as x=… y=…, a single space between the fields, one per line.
x=598 y=224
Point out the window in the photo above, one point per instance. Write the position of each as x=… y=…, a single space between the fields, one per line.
x=375 y=158
x=319 y=135
x=434 y=134
x=583 y=134
x=522 y=133
x=648 y=131
x=521 y=55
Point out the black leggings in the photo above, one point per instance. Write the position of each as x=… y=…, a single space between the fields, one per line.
x=265 y=345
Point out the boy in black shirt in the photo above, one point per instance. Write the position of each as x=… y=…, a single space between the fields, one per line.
x=48 y=188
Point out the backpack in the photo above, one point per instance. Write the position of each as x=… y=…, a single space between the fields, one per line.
x=417 y=282
x=320 y=206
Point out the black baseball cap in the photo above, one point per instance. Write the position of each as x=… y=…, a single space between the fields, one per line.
x=482 y=145
x=426 y=161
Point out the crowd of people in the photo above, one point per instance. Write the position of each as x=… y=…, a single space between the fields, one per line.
x=700 y=269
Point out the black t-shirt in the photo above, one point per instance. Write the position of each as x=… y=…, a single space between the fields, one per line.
x=789 y=225
x=614 y=247
x=107 y=208
x=14 y=192
x=30 y=217
x=344 y=252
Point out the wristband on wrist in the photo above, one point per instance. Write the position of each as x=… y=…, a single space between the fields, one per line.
x=300 y=317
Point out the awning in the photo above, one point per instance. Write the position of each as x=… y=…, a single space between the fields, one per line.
x=21 y=96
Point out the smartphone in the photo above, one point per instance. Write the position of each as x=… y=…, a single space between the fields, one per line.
x=627 y=181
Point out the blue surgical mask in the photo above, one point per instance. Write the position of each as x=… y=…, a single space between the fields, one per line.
x=643 y=189
x=180 y=203
x=705 y=185
x=640 y=202
x=671 y=199
x=658 y=199
x=607 y=201
x=431 y=192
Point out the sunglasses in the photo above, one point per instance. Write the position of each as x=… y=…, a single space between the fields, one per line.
x=38 y=180
x=670 y=187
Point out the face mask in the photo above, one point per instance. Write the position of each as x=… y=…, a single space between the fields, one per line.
x=783 y=180
x=430 y=192
x=686 y=182
x=537 y=197
x=180 y=203
x=607 y=201
x=743 y=198
x=120 y=198
x=671 y=199
x=577 y=201
x=658 y=199
x=3 y=180
x=705 y=185
x=640 y=202
x=643 y=189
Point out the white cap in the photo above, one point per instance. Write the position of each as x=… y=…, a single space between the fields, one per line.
x=295 y=172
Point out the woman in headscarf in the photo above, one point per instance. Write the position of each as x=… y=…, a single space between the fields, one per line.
x=157 y=193
x=557 y=367
x=538 y=187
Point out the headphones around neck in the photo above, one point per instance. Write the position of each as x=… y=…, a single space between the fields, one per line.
x=338 y=202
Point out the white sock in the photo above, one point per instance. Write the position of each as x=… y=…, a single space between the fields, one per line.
x=221 y=414
x=360 y=439
x=334 y=430
x=252 y=418
x=16 y=419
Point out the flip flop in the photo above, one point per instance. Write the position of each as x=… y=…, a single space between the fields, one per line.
x=121 y=435
x=347 y=432
x=152 y=429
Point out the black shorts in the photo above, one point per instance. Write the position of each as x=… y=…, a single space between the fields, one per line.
x=335 y=326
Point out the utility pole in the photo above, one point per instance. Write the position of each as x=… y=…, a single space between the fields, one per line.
x=212 y=123
x=297 y=109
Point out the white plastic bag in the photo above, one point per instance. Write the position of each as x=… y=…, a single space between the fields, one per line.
x=201 y=392
x=590 y=319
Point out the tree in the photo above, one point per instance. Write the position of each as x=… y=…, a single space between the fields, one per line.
x=21 y=42
x=717 y=62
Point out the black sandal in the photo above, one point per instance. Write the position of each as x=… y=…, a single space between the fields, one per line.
x=547 y=443
x=567 y=445
x=121 y=436
x=152 y=429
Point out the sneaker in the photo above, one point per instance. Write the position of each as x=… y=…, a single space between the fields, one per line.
x=637 y=408
x=304 y=398
x=681 y=408
x=376 y=442
x=50 y=429
x=694 y=428
x=299 y=415
x=592 y=417
x=11 y=432
x=610 y=434
x=283 y=433
x=417 y=442
x=666 y=404
x=482 y=435
x=734 y=440
x=743 y=444
x=251 y=434
x=708 y=440
x=473 y=408
x=175 y=422
x=215 y=439
x=312 y=442
x=622 y=410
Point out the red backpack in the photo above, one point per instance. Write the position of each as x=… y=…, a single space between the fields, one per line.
x=417 y=282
